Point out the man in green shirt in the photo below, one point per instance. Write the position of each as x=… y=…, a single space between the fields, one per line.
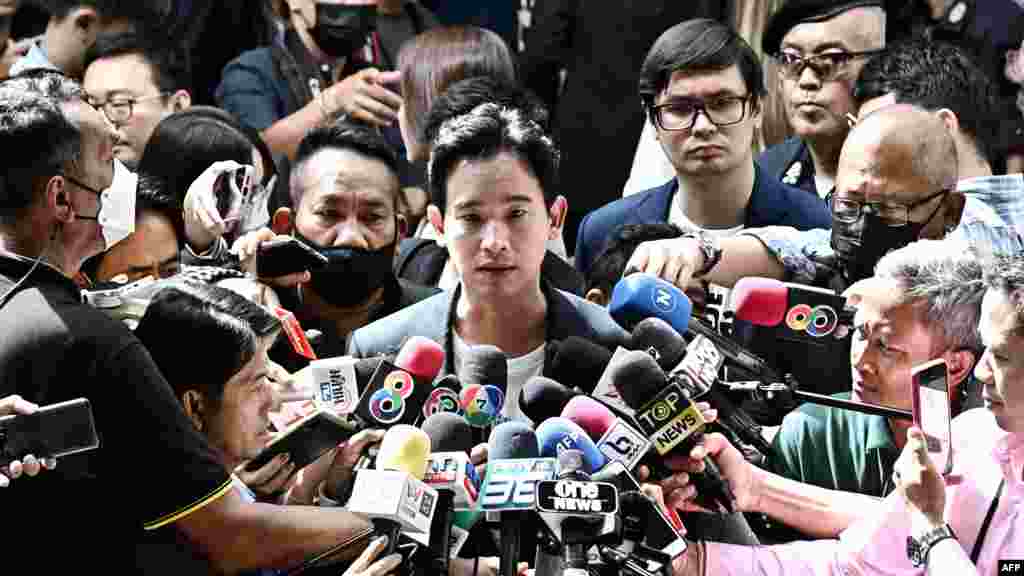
x=923 y=303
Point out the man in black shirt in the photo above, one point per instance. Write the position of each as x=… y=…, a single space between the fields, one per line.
x=157 y=489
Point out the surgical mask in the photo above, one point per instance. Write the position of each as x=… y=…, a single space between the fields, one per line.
x=858 y=253
x=117 y=205
x=351 y=275
x=341 y=29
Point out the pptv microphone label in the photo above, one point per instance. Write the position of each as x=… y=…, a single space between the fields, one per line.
x=670 y=419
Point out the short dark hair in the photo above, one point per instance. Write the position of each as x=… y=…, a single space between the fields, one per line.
x=37 y=136
x=465 y=95
x=934 y=75
x=694 y=46
x=137 y=10
x=608 y=267
x=343 y=135
x=435 y=59
x=223 y=325
x=186 y=143
x=166 y=59
x=483 y=133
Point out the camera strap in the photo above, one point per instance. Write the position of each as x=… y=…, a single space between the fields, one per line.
x=976 y=551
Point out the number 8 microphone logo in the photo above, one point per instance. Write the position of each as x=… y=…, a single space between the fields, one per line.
x=387 y=405
x=817 y=322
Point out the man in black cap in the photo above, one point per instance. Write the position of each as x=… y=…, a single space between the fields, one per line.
x=819 y=47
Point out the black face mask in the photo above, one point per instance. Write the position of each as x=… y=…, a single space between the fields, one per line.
x=341 y=29
x=351 y=274
x=862 y=244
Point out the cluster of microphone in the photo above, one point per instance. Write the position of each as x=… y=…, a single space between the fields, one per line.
x=598 y=422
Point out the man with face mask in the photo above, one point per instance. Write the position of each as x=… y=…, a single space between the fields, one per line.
x=344 y=188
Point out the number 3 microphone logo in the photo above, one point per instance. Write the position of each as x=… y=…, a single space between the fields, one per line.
x=817 y=322
x=387 y=405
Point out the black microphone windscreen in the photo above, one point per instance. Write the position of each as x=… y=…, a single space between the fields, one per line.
x=511 y=440
x=579 y=362
x=448 y=432
x=542 y=398
x=485 y=365
x=637 y=377
x=655 y=333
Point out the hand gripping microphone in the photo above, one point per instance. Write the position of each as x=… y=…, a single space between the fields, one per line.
x=450 y=472
x=665 y=413
x=696 y=367
x=542 y=398
x=484 y=377
x=394 y=495
x=513 y=471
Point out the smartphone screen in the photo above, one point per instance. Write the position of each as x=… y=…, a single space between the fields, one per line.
x=931 y=411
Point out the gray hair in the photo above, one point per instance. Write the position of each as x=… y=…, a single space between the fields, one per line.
x=946 y=278
x=1005 y=273
x=39 y=134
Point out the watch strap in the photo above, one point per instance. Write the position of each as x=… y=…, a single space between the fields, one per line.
x=709 y=246
x=918 y=548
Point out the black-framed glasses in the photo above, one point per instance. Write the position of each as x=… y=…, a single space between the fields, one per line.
x=86 y=187
x=120 y=110
x=827 y=66
x=848 y=211
x=681 y=114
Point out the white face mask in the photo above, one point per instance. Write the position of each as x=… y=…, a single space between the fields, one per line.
x=117 y=206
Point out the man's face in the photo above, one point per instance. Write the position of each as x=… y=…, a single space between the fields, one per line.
x=84 y=237
x=707 y=150
x=817 y=106
x=126 y=86
x=152 y=250
x=496 y=225
x=1001 y=368
x=240 y=428
x=888 y=341
x=307 y=8
x=348 y=200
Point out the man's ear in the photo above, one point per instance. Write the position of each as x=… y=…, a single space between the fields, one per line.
x=57 y=200
x=556 y=216
x=403 y=229
x=282 y=221
x=960 y=364
x=181 y=100
x=192 y=403
x=435 y=218
x=950 y=119
x=597 y=296
x=85 y=18
x=955 y=202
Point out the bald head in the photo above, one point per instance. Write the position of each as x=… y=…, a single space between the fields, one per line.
x=884 y=143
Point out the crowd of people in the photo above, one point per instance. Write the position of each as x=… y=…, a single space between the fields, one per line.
x=478 y=187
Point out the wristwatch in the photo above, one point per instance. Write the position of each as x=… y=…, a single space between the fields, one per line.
x=918 y=548
x=709 y=246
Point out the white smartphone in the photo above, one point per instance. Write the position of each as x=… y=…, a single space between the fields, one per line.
x=932 y=412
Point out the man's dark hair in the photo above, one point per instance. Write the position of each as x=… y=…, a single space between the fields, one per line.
x=607 y=268
x=699 y=45
x=483 y=133
x=465 y=95
x=223 y=325
x=935 y=75
x=342 y=135
x=38 y=137
x=137 y=10
x=167 y=61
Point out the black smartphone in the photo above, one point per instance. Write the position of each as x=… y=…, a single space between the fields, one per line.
x=306 y=440
x=280 y=257
x=660 y=533
x=51 y=432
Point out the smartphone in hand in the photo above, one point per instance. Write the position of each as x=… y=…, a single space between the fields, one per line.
x=53 y=431
x=932 y=412
x=283 y=256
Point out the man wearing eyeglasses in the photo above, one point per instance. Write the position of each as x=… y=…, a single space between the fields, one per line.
x=702 y=88
x=137 y=80
x=818 y=47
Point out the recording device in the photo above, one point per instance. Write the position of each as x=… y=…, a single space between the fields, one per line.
x=666 y=414
x=932 y=411
x=556 y=435
x=338 y=382
x=580 y=362
x=542 y=398
x=616 y=439
x=444 y=397
x=484 y=378
x=639 y=296
x=450 y=469
x=306 y=440
x=661 y=531
x=800 y=313
x=232 y=191
x=397 y=392
x=394 y=495
x=509 y=487
x=283 y=256
x=51 y=431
